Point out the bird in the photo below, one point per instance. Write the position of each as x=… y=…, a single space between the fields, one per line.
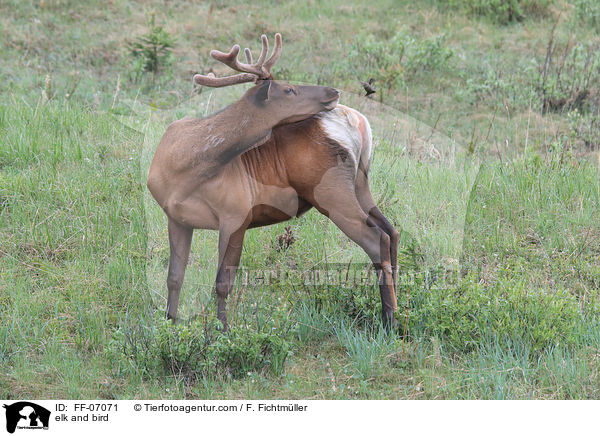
x=368 y=87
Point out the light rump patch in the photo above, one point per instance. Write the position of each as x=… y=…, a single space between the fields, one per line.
x=343 y=124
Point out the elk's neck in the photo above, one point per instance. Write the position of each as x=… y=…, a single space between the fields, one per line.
x=238 y=128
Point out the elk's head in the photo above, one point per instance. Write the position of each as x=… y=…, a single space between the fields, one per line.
x=280 y=102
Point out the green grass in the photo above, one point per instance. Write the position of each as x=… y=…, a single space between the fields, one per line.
x=73 y=241
x=498 y=206
x=366 y=350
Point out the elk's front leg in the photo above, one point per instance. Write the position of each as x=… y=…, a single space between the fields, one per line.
x=231 y=240
x=180 y=240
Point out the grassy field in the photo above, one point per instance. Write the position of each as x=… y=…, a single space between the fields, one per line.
x=487 y=129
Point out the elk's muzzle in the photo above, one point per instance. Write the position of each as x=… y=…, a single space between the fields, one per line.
x=332 y=97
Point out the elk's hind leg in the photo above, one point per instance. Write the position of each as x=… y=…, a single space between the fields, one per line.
x=342 y=207
x=180 y=240
x=231 y=240
x=367 y=203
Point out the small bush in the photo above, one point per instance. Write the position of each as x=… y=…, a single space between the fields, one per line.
x=198 y=350
x=588 y=11
x=357 y=295
x=362 y=304
x=471 y=315
x=242 y=351
x=501 y=11
x=182 y=349
x=499 y=83
x=566 y=79
x=152 y=52
x=585 y=129
x=391 y=62
x=160 y=348
x=570 y=76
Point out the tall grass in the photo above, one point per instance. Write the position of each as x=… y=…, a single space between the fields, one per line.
x=72 y=239
x=367 y=349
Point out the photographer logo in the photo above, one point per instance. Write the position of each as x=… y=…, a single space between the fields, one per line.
x=26 y=415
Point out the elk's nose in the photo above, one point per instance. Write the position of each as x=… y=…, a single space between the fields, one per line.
x=332 y=92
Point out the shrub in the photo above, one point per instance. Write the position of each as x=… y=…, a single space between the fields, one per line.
x=379 y=59
x=585 y=129
x=159 y=348
x=243 y=350
x=362 y=304
x=197 y=349
x=470 y=315
x=569 y=82
x=152 y=51
x=588 y=11
x=501 y=11
x=182 y=349
x=357 y=296
x=566 y=79
x=514 y=83
x=391 y=62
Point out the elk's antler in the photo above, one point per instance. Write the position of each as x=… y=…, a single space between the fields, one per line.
x=249 y=72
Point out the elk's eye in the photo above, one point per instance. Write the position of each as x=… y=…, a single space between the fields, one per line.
x=289 y=90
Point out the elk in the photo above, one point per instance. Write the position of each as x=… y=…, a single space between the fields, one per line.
x=278 y=151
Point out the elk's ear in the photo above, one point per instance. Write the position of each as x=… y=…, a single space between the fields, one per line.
x=262 y=94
